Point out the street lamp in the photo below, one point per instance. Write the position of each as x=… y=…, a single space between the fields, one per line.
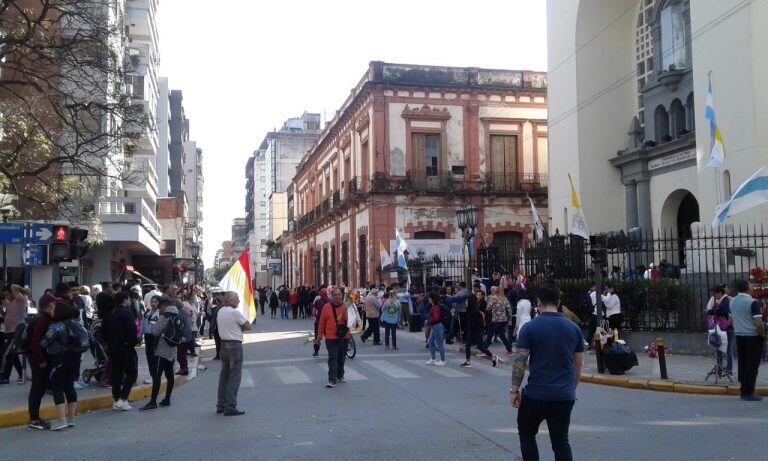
x=466 y=218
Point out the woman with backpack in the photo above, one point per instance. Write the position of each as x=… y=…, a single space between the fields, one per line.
x=164 y=351
x=64 y=341
x=390 y=317
x=435 y=340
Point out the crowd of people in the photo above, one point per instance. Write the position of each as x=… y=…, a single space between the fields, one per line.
x=49 y=337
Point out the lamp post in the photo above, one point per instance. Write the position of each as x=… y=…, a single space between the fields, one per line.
x=466 y=218
x=7 y=210
x=194 y=250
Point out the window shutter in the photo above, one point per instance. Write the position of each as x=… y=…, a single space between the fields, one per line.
x=418 y=141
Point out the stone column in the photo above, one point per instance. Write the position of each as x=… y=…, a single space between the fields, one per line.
x=644 y=206
x=630 y=192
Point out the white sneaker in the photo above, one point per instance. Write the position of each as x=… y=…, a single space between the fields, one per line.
x=440 y=363
x=59 y=426
x=147 y=380
x=122 y=405
x=78 y=385
x=431 y=362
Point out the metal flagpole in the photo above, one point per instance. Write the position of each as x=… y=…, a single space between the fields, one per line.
x=711 y=146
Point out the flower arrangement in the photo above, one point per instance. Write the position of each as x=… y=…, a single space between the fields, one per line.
x=652 y=350
x=759 y=280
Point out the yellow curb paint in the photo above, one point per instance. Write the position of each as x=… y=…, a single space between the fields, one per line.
x=610 y=380
x=667 y=386
x=20 y=416
x=698 y=389
x=736 y=390
x=637 y=383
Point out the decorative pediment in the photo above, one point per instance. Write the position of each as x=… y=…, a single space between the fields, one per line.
x=362 y=122
x=426 y=112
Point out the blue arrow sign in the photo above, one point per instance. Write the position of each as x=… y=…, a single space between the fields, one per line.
x=41 y=234
x=11 y=232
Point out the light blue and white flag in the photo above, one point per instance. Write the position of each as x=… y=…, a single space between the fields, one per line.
x=751 y=193
x=717 y=155
x=402 y=245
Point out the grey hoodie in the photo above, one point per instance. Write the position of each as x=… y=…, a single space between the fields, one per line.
x=162 y=348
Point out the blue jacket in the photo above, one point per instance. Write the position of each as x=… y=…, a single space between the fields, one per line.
x=388 y=317
x=459 y=301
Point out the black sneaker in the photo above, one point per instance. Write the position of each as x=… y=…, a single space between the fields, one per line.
x=341 y=381
x=234 y=413
x=466 y=365
x=149 y=406
x=165 y=403
x=495 y=360
x=315 y=354
x=219 y=411
x=38 y=425
x=363 y=338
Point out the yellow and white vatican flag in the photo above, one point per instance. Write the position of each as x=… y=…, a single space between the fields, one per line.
x=386 y=260
x=238 y=279
x=578 y=223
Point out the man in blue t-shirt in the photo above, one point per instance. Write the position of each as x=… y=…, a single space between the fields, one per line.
x=555 y=347
x=747 y=320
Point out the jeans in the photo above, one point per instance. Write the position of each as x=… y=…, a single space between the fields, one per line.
x=592 y=329
x=37 y=390
x=475 y=336
x=315 y=345
x=284 y=308
x=558 y=416
x=230 y=374
x=435 y=340
x=373 y=329
x=181 y=356
x=62 y=383
x=498 y=328
x=157 y=367
x=750 y=353
x=125 y=370
x=337 y=355
x=390 y=328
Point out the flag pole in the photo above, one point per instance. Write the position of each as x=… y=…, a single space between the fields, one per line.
x=711 y=146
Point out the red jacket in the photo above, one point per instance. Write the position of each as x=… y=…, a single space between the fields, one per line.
x=327 y=324
x=39 y=328
x=317 y=308
x=293 y=299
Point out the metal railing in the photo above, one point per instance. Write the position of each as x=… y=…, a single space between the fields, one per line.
x=131 y=210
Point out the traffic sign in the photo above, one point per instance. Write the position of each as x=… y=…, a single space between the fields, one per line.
x=34 y=255
x=11 y=232
x=41 y=234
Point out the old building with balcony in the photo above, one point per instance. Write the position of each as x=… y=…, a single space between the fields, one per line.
x=409 y=146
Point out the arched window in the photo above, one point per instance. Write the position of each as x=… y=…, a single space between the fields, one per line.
x=661 y=122
x=677 y=111
x=727 y=183
x=643 y=54
x=691 y=112
x=674 y=36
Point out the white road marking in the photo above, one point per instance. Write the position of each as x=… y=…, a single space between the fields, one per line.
x=246 y=380
x=442 y=371
x=349 y=373
x=390 y=370
x=291 y=375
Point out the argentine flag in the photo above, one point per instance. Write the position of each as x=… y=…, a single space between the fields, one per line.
x=402 y=245
x=717 y=156
x=753 y=192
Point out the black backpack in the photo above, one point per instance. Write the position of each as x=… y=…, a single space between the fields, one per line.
x=174 y=329
x=22 y=337
x=77 y=338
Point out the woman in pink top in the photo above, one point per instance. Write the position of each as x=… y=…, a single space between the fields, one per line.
x=15 y=313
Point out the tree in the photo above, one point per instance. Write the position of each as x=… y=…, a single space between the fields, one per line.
x=68 y=123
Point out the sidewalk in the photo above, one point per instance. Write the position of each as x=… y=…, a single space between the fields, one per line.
x=13 y=397
x=686 y=373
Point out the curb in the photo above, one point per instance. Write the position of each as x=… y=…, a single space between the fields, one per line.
x=666 y=385
x=20 y=416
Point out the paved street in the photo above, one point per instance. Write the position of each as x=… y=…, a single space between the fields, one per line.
x=393 y=406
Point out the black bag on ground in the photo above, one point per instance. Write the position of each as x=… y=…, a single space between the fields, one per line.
x=618 y=357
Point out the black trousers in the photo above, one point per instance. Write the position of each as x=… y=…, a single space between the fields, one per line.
x=261 y=306
x=125 y=370
x=558 y=416
x=373 y=329
x=337 y=355
x=750 y=350
x=37 y=390
x=8 y=356
x=157 y=367
x=475 y=336
x=62 y=381
x=315 y=345
x=295 y=310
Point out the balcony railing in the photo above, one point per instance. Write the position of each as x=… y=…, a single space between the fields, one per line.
x=129 y=210
x=141 y=172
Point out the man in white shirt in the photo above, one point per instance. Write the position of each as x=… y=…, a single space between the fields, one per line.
x=612 y=308
x=231 y=324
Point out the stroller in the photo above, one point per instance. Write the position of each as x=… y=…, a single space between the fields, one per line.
x=99 y=352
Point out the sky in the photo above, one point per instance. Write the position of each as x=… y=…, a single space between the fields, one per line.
x=244 y=66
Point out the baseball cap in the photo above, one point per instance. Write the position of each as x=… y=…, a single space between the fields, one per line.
x=47 y=299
